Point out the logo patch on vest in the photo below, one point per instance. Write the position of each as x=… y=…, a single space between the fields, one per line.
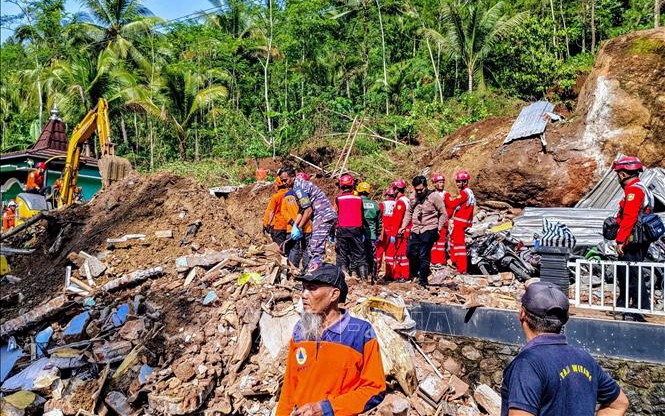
x=301 y=355
x=630 y=197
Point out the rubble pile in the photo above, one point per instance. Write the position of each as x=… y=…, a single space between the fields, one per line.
x=152 y=299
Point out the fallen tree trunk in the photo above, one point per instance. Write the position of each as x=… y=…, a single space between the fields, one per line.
x=34 y=316
x=134 y=277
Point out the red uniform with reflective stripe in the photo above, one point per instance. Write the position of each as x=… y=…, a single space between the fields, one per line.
x=35 y=181
x=439 y=248
x=349 y=210
x=401 y=269
x=390 y=228
x=462 y=207
x=634 y=200
x=343 y=371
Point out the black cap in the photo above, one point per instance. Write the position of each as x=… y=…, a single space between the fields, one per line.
x=330 y=275
x=546 y=300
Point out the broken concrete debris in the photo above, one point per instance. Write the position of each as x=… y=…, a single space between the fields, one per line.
x=225 y=352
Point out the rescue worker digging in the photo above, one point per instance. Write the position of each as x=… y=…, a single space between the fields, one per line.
x=314 y=205
x=295 y=250
x=637 y=199
x=440 y=247
x=274 y=223
x=334 y=363
x=427 y=215
x=373 y=225
x=350 y=246
x=462 y=213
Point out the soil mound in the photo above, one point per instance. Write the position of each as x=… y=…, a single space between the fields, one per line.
x=136 y=205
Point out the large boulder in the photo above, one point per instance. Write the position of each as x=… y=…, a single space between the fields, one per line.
x=621 y=108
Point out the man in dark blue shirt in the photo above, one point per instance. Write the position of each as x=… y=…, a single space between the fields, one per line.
x=549 y=377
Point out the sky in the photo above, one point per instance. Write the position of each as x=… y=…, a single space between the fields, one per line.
x=166 y=9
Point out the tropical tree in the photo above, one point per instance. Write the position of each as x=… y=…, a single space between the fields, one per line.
x=117 y=25
x=472 y=28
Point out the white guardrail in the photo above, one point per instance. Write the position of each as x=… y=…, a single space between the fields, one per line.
x=596 y=285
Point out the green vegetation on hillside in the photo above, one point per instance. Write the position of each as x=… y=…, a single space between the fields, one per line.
x=250 y=79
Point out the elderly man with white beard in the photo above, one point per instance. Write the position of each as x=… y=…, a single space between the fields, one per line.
x=334 y=364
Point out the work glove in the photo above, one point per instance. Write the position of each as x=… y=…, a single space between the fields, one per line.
x=296 y=233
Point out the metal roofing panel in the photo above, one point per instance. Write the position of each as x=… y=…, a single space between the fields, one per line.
x=531 y=121
x=586 y=224
x=607 y=193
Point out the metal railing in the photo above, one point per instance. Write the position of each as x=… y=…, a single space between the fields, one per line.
x=596 y=286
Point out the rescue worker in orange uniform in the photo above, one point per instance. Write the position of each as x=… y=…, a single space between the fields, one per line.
x=295 y=250
x=35 y=182
x=385 y=249
x=9 y=216
x=439 y=249
x=462 y=215
x=637 y=200
x=350 y=247
x=274 y=223
x=401 y=269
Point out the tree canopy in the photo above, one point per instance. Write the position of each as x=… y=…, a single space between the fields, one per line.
x=249 y=78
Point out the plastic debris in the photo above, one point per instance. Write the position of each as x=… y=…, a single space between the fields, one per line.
x=77 y=325
x=42 y=339
x=9 y=354
x=120 y=316
x=210 y=297
x=144 y=373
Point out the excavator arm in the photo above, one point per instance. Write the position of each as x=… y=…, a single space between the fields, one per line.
x=97 y=120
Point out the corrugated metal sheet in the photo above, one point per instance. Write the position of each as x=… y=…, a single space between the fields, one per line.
x=586 y=224
x=607 y=193
x=531 y=121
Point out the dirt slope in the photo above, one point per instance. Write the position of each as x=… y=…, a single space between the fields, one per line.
x=621 y=108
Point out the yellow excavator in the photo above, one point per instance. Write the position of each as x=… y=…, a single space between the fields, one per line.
x=111 y=167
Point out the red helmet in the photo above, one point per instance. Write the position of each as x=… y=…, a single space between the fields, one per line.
x=390 y=191
x=438 y=177
x=41 y=165
x=628 y=163
x=346 y=180
x=399 y=184
x=302 y=175
x=462 y=175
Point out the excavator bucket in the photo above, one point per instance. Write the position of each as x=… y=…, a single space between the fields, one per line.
x=113 y=169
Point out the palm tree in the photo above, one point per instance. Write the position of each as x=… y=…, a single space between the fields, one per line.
x=471 y=31
x=115 y=24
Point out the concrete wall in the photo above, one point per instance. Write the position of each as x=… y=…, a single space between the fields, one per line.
x=481 y=361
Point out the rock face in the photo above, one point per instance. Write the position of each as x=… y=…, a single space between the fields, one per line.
x=621 y=108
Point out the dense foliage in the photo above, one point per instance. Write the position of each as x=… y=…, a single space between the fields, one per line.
x=250 y=78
